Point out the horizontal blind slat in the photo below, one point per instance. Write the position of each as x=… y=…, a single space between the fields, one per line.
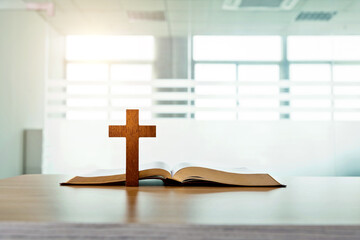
x=179 y=96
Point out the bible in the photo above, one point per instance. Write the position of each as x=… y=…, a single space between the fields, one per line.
x=182 y=174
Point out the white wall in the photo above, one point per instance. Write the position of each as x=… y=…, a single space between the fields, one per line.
x=22 y=62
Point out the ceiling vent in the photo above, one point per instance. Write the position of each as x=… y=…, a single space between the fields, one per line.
x=259 y=4
x=139 y=16
x=315 y=16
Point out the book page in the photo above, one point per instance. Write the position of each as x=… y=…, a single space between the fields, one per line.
x=158 y=170
x=241 y=170
x=187 y=173
x=119 y=171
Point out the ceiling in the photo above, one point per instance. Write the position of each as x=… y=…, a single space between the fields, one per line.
x=183 y=17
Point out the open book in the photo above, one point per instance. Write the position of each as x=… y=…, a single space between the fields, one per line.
x=182 y=174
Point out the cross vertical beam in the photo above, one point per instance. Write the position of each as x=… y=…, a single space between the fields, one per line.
x=132 y=148
x=132 y=131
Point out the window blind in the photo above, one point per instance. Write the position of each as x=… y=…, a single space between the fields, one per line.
x=257 y=101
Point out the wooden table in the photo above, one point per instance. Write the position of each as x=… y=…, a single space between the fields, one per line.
x=305 y=201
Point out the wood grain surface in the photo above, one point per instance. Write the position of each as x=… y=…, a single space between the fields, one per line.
x=305 y=201
x=132 y=131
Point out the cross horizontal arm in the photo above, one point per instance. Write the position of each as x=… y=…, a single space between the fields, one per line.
x=117 y=131
x=147 y=131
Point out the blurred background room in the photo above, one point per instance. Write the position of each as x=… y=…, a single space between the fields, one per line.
x=265 y=84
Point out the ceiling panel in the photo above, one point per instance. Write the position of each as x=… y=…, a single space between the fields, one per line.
x=64 y=5
x=193 y=5
x=354 y=6
x=106 y=19
x=144 y=5
x=99 y=5
x=326 y=5
x=347 y=18
x=205 y=16
x=185 y=16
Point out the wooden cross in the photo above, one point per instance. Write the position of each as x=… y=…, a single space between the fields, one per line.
x=132 y=131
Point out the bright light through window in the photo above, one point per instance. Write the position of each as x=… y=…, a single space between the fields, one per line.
x=245 y=48
x=309 y=48
x=87 y=72
x=350 y=73
x=310 y=103
x=323 y=48
x=347 y=103
x=347 y=116
x=314 y=90
x=259 y=103
x=311 y=116
x=213 y=115
x=215 y=103
x=215 y=72
x=87 y=102
x=128 y=72
x=100 y=58
x=240 y=74
x=134 y=102
x=83 y=90
x=131 y=90
x=109 y=48
x=258 y=116
x=86 y=115
x=310 y=72
x=215 y=90
x=258 y=90
x=258 y=73
x=355 y=90
x=117 y=115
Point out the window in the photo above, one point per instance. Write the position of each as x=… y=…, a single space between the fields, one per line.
x=110 y=62
x=331 y=66
x=215 y=72
x=270 y=72
x=310 y=72
x=323 y=48
x=87 y=72
x=230 y=71
x=346 y=73
x=252 y=77
x=237 y=48
x=110 y=48
x=138 y=72
x=305 y=78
